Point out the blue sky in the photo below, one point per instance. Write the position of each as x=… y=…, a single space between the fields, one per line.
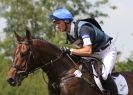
x=119 y=25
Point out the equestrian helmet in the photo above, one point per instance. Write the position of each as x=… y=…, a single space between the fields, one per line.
x=61 y=14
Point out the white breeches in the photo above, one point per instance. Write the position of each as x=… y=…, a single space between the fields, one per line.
x=108 y=57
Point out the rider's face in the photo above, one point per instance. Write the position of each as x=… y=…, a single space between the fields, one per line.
x=60 y=26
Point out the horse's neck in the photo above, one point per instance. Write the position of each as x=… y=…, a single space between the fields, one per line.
x=47 y=54
x=60 y=67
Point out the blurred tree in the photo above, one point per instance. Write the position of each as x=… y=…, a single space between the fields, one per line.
x=125 y=66
x=34 y=14
x=118 y=56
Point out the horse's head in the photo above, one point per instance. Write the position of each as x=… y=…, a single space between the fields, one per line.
x=31 y=54
x=23 y=55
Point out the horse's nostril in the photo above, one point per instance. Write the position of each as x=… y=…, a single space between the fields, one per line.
x=11 y=81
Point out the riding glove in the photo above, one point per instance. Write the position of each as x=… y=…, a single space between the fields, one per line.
x=65 y=50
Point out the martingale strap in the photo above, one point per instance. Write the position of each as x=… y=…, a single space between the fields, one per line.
x=80 y=68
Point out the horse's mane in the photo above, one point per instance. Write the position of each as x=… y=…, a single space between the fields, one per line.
x=24 y=38
x=37 y=37
x=46 y=42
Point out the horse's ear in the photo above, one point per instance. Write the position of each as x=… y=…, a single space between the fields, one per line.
x=18 y=37
x=28 y=34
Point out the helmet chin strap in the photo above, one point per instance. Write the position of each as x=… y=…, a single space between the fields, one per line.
x=65 y=26
x=66 y=22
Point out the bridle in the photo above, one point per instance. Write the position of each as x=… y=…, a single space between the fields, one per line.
x=24 y=70
x=30 y=55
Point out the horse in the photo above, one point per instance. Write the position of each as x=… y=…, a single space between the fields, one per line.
x=33 y=53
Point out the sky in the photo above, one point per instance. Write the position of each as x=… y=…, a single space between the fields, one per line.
x=118 y=25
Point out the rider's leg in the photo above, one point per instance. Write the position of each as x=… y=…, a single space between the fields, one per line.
x=110 y=85
x=109 y=58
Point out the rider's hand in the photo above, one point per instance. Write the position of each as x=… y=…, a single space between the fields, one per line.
x=65 y=50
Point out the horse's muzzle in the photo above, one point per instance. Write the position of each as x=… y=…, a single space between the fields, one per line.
x=12 y=81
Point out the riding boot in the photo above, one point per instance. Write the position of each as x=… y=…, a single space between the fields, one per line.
x=110 y=85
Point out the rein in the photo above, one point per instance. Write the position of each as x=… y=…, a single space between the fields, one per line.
x=52 y=61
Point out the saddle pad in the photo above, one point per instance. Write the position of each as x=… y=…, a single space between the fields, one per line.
x=121 y=84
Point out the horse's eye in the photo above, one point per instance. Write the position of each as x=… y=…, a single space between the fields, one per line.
x=21 y=54
x=24 y=54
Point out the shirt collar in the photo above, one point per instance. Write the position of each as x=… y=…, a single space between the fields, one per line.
x=72 y=30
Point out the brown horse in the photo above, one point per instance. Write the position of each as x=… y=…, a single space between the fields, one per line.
x=33 y=53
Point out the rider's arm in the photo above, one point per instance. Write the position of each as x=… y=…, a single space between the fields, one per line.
x=86 y=49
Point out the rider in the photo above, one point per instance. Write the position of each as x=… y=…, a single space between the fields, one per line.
x=93 y=41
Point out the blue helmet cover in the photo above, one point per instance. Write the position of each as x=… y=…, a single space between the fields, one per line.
x=61 y=14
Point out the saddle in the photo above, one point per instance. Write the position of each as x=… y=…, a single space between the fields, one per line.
x=115 y=83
